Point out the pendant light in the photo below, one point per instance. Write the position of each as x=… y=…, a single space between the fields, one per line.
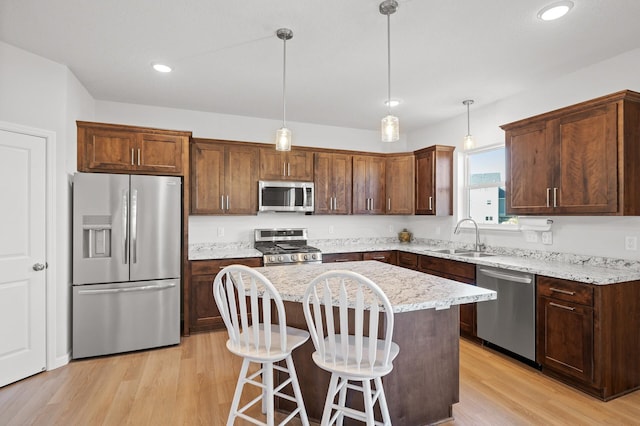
x=469 y=143
x=390 y=126
x=283 y=135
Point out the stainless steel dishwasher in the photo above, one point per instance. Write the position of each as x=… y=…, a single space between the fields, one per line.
x=509 y=321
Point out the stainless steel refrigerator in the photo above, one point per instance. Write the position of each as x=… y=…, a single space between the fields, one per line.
x=126 y=262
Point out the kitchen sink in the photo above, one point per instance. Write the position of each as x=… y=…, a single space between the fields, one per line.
x=475 y=254
x=451 y=251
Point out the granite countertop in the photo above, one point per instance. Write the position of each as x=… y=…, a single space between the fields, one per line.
x=406 y=289
x=586 y=269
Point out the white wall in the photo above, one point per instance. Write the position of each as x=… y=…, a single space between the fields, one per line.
x=248 y=129
x=600 y=236
x=39 y=93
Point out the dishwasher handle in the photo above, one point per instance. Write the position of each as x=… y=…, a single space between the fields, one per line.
x=504 y=276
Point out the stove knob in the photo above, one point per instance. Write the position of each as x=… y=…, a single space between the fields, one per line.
x=272 y=258
x=293 y=257
x=314 y=256
x=280 y=258
x=306 y=257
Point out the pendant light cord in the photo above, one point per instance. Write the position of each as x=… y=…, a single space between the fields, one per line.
x=468 y=125
x=284 y=84
x=389 y=62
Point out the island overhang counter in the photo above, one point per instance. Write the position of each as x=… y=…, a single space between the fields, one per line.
x=424 y=383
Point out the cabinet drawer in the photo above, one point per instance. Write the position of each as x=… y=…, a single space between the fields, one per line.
x=341 y=257
x=448 y=267
x=407 y=260
x=569 y=291
x=381 y=256
x=205 y=267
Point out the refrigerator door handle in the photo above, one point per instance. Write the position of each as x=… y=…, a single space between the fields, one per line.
x=128 y=289
x=134 y=226
x=125 y=226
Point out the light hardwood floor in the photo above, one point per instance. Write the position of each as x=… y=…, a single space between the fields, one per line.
x=192 y=384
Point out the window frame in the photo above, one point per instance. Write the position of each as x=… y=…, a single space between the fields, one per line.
x=463 y=212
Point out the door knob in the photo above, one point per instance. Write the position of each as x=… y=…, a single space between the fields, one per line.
x=38 y=267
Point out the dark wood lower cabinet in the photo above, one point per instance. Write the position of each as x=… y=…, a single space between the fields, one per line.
x=204 y=314
x=382 y=256
x=408 y=260
x=587 y=335
x=457 y=271
x=341 y=257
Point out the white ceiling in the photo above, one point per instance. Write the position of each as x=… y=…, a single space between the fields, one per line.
x=227 y=58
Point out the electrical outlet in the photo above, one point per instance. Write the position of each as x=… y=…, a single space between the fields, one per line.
x=220 y=231
x=438 y=230
x=531 y=236
x=391 y=228
x=547 y=237
x=330 y=229
x=630 y=243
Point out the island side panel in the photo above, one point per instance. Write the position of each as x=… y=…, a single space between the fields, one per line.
x=424 y=383
x=425 y=380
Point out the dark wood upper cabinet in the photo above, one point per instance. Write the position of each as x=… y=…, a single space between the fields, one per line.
x=332 y=178
x=369 y=184
x=400 y=175
x=224 y=178
x=434 y=190
x=115 y=148
x=582 y=160
x=291 y=165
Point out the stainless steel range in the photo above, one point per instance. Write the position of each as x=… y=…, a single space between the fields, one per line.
x=285 y=247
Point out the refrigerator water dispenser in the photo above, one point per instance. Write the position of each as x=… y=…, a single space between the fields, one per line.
x=96 y=236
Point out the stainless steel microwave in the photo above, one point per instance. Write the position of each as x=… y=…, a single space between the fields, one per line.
x=283 y=196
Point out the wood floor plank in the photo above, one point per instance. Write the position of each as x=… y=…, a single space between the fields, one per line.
x=193 y=384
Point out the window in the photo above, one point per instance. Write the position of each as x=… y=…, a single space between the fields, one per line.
x=485 y=187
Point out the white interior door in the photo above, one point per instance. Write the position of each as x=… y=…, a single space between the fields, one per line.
x=22 y=255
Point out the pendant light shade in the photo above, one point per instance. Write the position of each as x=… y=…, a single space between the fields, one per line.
x=390 y=125
x=468 y=142
x=283 y=135
x=390 y=128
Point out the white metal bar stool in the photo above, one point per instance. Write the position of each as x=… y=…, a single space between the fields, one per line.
x=347 y=346
x=244 y=298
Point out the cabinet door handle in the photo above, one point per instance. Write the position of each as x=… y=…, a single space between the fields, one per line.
x=288 y=169
x=555 y=197
x=139 y=156
x=559 y=290
x=222 y=202
x=389 y=204
x=132 y=163
x=227 y=202
x=430 y=203
x=568 y=308
x=548 y=197
x=284 y=168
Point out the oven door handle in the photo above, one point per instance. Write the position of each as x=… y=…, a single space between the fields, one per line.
x=508 y=277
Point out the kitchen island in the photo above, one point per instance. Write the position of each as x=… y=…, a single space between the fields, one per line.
x=424 y=383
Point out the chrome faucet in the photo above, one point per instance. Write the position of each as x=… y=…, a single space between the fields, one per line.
x=457 y=230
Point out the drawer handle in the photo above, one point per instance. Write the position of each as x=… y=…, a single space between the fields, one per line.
x=378 y=257
x=343 y=260
x=558 y=290
x=568 y=308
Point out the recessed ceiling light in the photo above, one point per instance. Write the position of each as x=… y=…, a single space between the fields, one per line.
x=392 y=103
x=162 y=68
x=555 y=10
